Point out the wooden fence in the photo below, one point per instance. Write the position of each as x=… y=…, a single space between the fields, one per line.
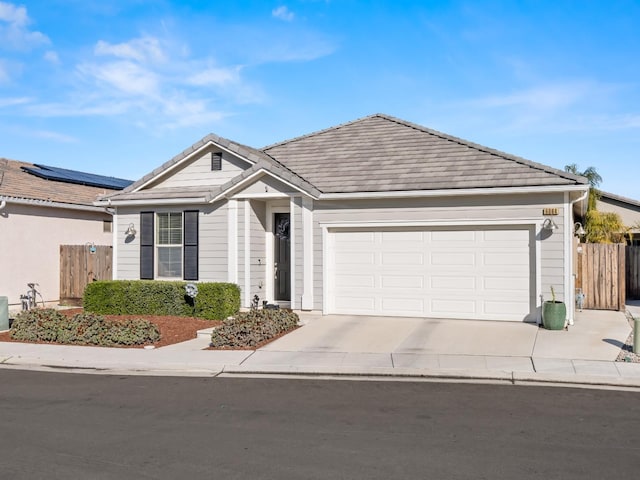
x=601 y=275
x=633 y=271
x=80 y=265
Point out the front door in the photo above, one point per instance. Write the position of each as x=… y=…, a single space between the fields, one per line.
x=281 y=257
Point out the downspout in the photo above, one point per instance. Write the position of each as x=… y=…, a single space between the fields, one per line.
x=3 y=204
x=572 y=292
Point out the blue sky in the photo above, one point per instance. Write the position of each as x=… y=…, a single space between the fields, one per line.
x=119 y=87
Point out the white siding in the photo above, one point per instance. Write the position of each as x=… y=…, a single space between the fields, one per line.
x=212 y=241
x=197 y=172
x=267 y=184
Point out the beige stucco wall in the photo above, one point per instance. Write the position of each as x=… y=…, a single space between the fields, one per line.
x=30 y=239
x=630 y=214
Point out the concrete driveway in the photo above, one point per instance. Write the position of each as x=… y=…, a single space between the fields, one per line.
x=340 y=340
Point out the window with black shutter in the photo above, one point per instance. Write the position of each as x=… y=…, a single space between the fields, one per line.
x=191 y=244
x=147 y=234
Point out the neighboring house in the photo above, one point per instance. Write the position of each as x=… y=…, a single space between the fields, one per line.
x=374 y=217
x=42 y=208
x=628 y=209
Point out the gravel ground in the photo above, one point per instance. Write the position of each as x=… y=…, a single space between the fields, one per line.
x=626 y=352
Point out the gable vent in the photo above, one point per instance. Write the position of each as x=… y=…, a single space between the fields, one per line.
x=216 y=161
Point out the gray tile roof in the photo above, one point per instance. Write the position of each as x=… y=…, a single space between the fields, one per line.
x=380 y=153
x=374 y=154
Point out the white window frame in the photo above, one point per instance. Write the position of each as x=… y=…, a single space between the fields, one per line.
x=158 y=245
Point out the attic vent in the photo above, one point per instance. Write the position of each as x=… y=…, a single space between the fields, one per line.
x=216 y=161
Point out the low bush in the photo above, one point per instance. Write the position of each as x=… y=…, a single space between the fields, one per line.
x=249 y=329
x=82 y=329
x=214 y=301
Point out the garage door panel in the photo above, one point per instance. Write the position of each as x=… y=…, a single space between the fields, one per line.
x=404 y=305
x=502 y=307
x=506 y=236
x=402 y=281
x=448 y=236
x=356 y=304
x=350 y=281
x=447 y=307
x=455 y=282
x=453 y=258
x=448 y=273
x=355 y=258
x=506 y=284
x=411 y=237
x=506 y=258
x=402 y=259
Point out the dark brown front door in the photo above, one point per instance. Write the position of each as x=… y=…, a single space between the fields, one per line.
x=282 y=257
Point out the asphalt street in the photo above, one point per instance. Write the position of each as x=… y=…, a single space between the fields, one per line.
x=74 y=426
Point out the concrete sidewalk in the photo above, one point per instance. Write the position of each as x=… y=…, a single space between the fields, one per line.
x=378 y=347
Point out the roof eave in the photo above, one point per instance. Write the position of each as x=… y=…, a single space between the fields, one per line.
x=455 y=192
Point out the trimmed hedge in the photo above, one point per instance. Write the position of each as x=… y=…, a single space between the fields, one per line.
x=249 y=329
x=152 y=297
x=50 y=325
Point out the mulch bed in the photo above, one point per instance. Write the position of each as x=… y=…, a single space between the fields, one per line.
x=172 y=329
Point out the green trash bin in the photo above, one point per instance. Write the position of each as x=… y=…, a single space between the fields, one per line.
x=636 y=334
x=4 y=313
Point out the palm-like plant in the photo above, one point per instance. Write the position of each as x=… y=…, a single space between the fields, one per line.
x=600 y=227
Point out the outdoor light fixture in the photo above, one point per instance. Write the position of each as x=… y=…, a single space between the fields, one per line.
x=578 y=230
x=131 y=231
x=549 y=225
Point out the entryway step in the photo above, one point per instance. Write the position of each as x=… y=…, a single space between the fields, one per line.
x=205 y=332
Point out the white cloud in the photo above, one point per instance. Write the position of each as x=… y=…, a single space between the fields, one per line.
x=51 y=57
x=55 y=136
x=10 y=102
x=215 y=76
x=548 y=97
x=122 y=77
x=283 y=13
x=139 y=49
x=14 y=31
x=578 y=106
x=4 y=74
x=12 y=14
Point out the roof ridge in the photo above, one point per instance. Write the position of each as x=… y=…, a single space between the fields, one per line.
x=320 y=132
x=482 y=148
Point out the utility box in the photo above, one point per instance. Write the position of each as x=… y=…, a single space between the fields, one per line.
x=4 y=313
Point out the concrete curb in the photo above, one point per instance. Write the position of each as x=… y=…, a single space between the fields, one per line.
x=345 y=373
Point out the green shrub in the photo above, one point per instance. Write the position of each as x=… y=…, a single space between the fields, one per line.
x=152 y=297
x=248 y=329
x=82 y=329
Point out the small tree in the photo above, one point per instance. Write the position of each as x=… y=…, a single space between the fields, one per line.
x=600 y=227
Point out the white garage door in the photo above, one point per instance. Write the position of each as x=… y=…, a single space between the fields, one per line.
x=483 y=273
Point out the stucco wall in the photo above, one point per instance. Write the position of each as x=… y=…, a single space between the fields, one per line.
x=30 y=242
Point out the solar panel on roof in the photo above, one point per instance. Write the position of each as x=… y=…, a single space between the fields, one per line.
x=75 y=177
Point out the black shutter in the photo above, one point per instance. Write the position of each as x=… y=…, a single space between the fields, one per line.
x=147 y=234
x=191 y=244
